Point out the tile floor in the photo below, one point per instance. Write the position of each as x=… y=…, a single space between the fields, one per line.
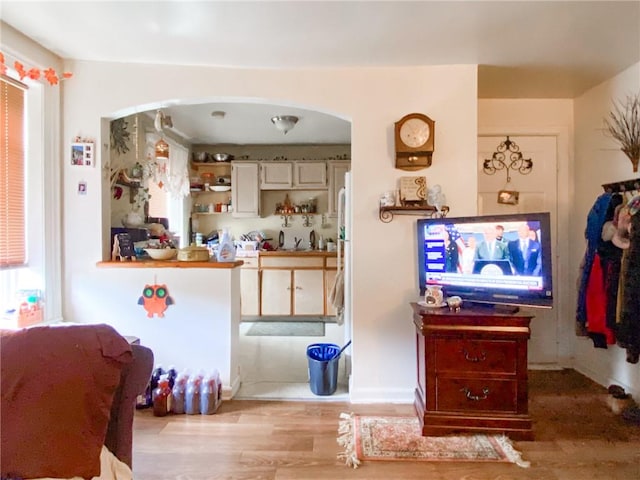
x=276 y=368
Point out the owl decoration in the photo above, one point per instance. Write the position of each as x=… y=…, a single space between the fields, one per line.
x=155 y=299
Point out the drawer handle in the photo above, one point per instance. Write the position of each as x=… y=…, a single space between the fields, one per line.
x=475 y=398
x=476 y=359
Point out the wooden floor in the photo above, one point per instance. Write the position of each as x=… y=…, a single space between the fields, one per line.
x=577 y=437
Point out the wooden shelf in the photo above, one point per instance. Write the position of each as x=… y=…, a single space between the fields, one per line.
x=386 y=213
x=197 y=165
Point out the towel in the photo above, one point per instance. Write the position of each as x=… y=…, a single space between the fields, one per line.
x=336 y=296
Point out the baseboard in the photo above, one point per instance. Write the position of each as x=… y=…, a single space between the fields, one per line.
x=381 y=395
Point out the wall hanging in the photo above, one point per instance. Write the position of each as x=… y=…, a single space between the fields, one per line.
x=499 y=161
x=155 y=299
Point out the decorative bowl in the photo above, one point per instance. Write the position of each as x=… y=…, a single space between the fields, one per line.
x=220 y=188
x=161 y=253
x=221 y=157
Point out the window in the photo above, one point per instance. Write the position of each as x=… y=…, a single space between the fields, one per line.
x=12 y=178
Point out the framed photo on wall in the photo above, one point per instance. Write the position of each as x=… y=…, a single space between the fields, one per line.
x=82 y=154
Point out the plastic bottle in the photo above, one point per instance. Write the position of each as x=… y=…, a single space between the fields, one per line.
x=192 y=396
x=179 y=392
x=153 y=384
x=226 y=250
x=208 y=396
x=162 y=397
x=172 y=374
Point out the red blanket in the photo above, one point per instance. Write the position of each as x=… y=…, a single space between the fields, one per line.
x=57 y=386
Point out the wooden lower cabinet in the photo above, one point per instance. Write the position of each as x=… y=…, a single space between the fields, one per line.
x=250 y=286
x=472 y=372
x=292 y=292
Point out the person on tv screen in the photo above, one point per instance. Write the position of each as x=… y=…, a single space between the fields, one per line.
x=525 y=252
x=469 y=255
x=491 y=248
x=450 y=253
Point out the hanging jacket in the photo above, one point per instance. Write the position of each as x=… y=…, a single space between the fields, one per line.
x=595 y=220
x=628 y=331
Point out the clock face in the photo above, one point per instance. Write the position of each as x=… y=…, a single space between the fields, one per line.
x=415 y=132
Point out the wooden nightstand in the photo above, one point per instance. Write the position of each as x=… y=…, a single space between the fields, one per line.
x=472 y=372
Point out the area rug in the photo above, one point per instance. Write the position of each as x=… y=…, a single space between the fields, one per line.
x=286 y=329
x=399 y=438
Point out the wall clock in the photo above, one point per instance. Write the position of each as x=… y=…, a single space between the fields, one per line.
x=414 y=141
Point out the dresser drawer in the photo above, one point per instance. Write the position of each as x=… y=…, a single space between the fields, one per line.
x=464 y=355
x=476 y=395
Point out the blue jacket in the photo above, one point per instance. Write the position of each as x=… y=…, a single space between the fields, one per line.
x=595 y=220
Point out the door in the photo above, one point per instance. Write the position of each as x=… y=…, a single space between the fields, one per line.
x=537 y=193
x=250 y=291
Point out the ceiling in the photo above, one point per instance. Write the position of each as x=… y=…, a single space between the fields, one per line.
x=524 y=49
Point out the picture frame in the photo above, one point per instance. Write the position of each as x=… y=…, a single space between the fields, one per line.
x=508 y=197
x=82 y=154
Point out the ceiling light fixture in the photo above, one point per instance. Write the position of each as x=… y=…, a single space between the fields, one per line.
x=161 y=147
x=284 y=123
x=162 y=121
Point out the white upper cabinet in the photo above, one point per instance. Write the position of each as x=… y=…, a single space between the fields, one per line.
x=293 y=175
x=276 y=176
x=310 y=175
x=245 y=191
x=337 y=169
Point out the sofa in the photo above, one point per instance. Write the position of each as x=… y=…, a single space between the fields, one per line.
x=68 y=396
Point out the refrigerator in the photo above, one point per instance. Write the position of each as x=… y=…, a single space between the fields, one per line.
x=344 y=262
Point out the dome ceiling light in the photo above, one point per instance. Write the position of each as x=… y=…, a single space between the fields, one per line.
x=284 y=123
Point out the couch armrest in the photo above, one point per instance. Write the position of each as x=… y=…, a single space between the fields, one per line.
x=133 y=381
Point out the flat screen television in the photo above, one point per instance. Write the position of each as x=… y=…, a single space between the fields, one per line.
x=498 y=260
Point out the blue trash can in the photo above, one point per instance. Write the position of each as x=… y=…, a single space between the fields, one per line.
x=323 y=361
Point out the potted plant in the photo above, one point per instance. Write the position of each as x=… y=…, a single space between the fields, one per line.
x=623 y=124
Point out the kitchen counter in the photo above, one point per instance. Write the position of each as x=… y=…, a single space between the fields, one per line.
x=297 y=253
x=167 y=264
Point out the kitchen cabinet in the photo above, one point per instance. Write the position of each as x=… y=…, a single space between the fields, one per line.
x=245 y=191
x=292 y=285
x=293 y=175
x=337 y=169
x=472 y=372
x=250 y=287
x=276 y=175
x=310 y=175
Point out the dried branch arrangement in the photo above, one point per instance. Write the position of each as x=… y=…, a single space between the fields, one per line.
x=623 y=124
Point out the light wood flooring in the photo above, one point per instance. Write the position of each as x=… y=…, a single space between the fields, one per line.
x=577 y=437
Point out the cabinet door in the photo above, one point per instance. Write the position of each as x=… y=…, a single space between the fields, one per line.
x=329 y=280
x=337 y=169
x=245 y=194
x=308 y=296
x=310 y=175
x=276 y=175
x=250 y=291
x=275 y=294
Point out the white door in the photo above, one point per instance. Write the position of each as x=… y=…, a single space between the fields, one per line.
x=537 y=193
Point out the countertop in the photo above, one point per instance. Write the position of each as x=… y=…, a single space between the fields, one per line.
x=167 y=264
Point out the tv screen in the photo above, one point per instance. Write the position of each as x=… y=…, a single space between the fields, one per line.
x=497 y=259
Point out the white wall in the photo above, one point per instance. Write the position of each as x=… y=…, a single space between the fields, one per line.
x=555 y=118
x=598 y=161
x=384 y=260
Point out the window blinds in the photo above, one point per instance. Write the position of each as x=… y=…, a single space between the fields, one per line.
x=12 y=173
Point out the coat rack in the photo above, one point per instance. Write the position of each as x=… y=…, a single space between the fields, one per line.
x=623 y=186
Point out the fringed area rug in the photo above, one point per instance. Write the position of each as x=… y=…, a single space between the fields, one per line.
x=399 y=438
